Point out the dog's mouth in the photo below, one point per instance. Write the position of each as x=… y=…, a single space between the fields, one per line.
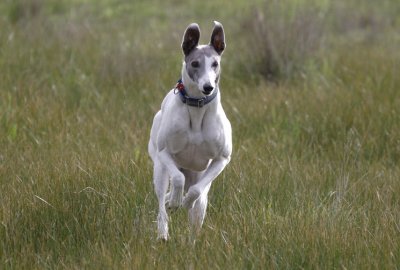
x=207 y=93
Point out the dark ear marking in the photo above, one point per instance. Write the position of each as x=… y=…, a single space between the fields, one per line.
x=190 y=38
x=218 y=38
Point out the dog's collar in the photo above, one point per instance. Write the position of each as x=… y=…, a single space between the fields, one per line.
x=194 y=102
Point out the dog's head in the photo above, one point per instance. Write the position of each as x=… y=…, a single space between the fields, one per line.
x=202 y=62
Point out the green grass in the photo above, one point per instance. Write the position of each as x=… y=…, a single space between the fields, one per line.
x=314 y=178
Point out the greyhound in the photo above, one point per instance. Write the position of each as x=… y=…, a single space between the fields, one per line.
x=191 y=137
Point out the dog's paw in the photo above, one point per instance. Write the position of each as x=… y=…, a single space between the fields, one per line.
x=175 y=199
x=162 y=226
x=163 y=237
x=190 y=198
x=173 y=205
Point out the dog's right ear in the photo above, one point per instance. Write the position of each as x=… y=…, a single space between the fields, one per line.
x=190 y=38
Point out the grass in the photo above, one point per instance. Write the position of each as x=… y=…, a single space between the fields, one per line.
x=314 y=178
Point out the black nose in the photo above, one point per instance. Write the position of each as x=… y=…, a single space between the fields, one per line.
x=207 y=88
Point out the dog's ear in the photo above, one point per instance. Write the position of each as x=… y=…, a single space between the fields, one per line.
x=218 y=38
x=190 y=38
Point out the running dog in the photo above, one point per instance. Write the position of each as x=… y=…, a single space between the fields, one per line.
x=191 y=137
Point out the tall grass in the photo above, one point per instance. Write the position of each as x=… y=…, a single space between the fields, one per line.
x=285 y=36
x=313 y=181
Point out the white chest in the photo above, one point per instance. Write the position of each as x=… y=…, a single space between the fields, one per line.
x=194 y=149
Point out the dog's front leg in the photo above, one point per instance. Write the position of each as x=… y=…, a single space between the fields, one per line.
x=177 y=179
x=160 y=186
x=195 y=191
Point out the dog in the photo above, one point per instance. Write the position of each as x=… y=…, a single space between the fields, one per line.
x=191 y=137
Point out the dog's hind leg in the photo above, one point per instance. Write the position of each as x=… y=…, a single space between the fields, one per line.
x=161 y=182
x=198 y=212
x=167 y=198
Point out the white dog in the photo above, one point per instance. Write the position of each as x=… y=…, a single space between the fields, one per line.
x=191 y=138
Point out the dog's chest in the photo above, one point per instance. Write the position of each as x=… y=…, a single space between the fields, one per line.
x=193 y=149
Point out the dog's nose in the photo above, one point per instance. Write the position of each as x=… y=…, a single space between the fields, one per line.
x=208 y=88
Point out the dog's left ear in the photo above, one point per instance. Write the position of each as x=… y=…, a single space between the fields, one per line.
x=218 y=38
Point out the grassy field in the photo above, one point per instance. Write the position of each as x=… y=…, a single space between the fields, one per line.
x=312 y=92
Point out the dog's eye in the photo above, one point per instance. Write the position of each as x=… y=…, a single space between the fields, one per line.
x=195 y=64
x=215 y=64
